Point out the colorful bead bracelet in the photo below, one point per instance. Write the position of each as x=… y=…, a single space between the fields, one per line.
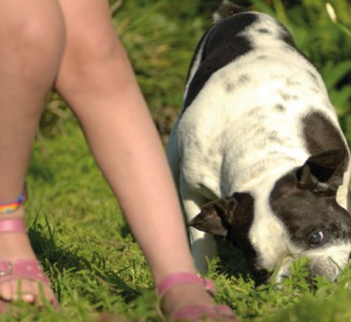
x=11 y=206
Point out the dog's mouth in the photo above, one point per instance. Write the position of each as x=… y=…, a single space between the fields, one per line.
x=328 y=262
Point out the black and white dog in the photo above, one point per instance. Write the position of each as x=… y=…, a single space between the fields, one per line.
x=257 y=152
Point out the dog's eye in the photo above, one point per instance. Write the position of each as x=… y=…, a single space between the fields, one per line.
x=316 y=238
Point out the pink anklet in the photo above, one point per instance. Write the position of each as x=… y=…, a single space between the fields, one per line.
x=6 y=207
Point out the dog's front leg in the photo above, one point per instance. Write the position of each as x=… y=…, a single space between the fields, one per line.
x=203 y=245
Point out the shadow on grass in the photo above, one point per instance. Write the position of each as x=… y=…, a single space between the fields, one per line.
x=60 y=261
x=37 y=170
x=126 y=231
x=232 y=261
x=64 y=260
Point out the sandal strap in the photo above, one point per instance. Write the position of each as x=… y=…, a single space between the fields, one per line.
x=183 y=278
x=12 y=225
x=23 y=269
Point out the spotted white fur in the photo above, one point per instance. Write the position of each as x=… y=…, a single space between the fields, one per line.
x=242 y=132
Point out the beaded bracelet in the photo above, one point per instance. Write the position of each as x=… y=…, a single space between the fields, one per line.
x=6 y=207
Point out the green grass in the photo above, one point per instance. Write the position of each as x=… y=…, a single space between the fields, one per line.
x=96 y=266
x=75 y=224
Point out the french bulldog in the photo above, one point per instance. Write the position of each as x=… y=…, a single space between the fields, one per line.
x=257 y=152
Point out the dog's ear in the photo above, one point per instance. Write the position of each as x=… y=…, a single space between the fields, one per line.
x=220 y=217
x=226 y=10
x=323 y=172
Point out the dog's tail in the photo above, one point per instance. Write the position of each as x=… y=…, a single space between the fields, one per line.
x=226 y=10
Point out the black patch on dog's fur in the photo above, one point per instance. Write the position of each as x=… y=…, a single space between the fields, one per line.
x=229 y=87
x=288 y=97
x=280 y=107
x=305 y=211
x=320 y=135
x=292 y=83
x=243 y=79
x=287 y=38
x=263 y=31
x=223 y=46
x=313 y=76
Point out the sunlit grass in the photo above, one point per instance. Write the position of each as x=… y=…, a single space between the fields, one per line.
x=75 y=224
x=96 y=266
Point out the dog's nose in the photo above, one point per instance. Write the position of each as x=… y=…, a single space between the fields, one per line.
x=324 y=267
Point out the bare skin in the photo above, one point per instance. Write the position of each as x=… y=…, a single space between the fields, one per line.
x=73 y=47
x=23 y=87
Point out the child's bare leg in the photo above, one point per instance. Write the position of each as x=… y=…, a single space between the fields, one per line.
x=97 y=81
x=31 y=44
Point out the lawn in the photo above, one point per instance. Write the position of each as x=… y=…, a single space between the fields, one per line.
x=76 y=226
x=96 y=266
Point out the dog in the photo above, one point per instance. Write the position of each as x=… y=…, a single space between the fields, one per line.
x=257 y=152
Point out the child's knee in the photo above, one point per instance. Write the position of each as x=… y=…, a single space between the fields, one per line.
x=94 y=52
x=89 y=62
x=33 y=38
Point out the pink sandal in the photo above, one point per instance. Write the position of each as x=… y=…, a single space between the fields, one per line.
x=195 y=313
x=28 y=269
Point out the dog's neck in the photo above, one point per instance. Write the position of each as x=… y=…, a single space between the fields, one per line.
x=261 y=176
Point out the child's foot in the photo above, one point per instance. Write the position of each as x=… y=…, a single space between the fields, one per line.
x=185 y=295
x=188 y=301
x=15 y=247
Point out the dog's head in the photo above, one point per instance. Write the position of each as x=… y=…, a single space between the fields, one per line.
x=298 y=216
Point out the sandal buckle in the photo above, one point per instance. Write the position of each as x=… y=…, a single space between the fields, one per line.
x=7 y=270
